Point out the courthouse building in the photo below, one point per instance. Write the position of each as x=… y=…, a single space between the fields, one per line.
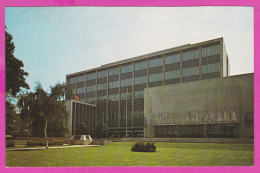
x=183 y=91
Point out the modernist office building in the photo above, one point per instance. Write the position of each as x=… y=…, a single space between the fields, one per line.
x=105 y=87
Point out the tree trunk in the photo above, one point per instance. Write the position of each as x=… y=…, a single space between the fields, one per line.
x=45 y=135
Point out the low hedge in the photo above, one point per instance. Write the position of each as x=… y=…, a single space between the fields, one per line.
x=144 y=147
x=42 y=143
x=9 y=144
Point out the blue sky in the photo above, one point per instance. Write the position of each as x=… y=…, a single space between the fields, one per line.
x=55 y=41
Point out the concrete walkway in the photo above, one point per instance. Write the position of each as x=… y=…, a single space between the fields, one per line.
x=20 y=148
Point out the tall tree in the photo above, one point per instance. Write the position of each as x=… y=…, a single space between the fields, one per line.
x=15 y=79
x=15 y=75
x=45 y=106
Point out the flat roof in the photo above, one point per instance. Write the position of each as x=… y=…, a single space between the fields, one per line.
x=154 y=54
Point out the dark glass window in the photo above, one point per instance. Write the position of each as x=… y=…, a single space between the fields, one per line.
x=114 y=84
x=189 y=55
x=155 y=62
x=172 y=74
x=210 y=68
x=102 y=74
x=82 y=78
x=140 y=65
x=190 y=71
x=126 y=82
x=127 y=68
x=114 y=71
x=91 y=76
x=140 y=80
x=156 y=77
x=91 y=88
x=212 y=50
x=170 y=59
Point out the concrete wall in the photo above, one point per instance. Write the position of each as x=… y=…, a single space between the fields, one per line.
x=231 y=96
x=68 y=134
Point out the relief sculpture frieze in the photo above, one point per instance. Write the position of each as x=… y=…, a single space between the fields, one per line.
x=207 y=117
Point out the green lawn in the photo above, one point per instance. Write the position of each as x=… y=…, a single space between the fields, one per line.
x=120 y=154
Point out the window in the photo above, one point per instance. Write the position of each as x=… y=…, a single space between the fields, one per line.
x=102 y=98
x=113 y=97
x=91 y=88
x=210 y=68
x=73 y=80
x=127 y=68
x=114 y=84
x=172 y=74
x=102 y=86
x=114 y=71
x=126 y=82
x=139 y=94
x=189 y=55
x=140 y=80
x=212 y=50
x=102 y=74
x=155 y=62
x=140 y=65
x=91 y=76
x=190 y=71
x=170 y=59
x=123 y=96
x=156 y=77
x=91 y=100
x=81 y=90
x=82 y=78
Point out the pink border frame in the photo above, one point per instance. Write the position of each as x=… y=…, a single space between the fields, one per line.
x=30 y=3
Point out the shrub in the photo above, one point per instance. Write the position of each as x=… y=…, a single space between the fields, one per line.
x=144 y=147
x=42 y=143
x=9 y=144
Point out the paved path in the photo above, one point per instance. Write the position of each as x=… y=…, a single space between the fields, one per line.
x=40 y=148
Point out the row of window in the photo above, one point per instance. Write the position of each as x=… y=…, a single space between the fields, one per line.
x=170 y=59
x=210 y=68
x=91 y=100
x=114 y=115
x=212 y=50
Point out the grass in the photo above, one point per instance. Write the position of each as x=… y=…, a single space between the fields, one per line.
x=120 y=154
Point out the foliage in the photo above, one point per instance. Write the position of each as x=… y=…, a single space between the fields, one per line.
x=14 y=81
x=82 y=129
x=100 y=129
x=15 y=75
x=144 y=147
x=43 y=108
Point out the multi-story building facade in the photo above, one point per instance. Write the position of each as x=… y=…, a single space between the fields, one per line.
x=106 y=86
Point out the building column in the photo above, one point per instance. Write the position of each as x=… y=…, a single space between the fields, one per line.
x=205 y=131
x=180 y=66
x=178 y=131
x=200 y=63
